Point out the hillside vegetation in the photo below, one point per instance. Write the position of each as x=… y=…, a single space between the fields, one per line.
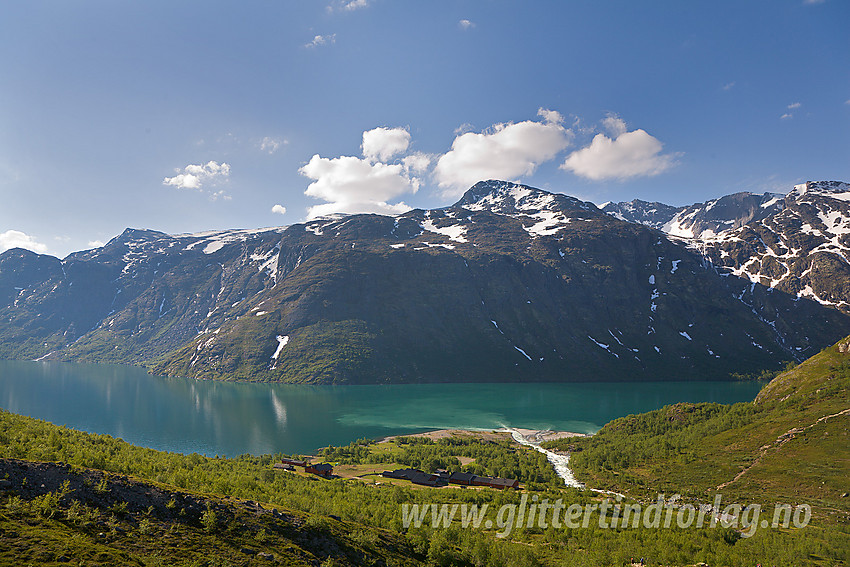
x=791 y=444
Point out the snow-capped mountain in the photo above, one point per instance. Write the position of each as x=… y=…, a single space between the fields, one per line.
x=654 y=215
x=700 y=220
x=801 y=247
x=510 y=283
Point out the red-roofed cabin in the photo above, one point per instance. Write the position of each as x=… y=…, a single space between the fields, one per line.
x=323 y=469
x=495 y=482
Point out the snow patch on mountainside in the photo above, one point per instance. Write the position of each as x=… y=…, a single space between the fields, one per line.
x=455 y=232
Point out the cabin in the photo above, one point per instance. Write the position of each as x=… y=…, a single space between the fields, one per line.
x=292 y=462
x=323 y=469
x=404 y=474
x=496 y=482
x=283 y=466
x=416 y=477
x=425 y=479
x=462 y=478
x=481 y=481
x=443 y=478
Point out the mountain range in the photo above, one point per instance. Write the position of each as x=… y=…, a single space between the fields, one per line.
x=511 y=283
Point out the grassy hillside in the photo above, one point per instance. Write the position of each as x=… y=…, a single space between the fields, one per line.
x=59 y=514
x=790 y=445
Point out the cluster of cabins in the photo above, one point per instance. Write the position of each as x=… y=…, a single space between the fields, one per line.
x=322 y=469
x=444 y=478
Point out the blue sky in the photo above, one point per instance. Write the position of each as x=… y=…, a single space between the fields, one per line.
x=188 y=116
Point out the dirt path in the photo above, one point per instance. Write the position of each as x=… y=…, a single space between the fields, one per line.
x=780 y=441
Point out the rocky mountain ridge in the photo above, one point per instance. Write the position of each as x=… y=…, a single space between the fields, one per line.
x=511 y=283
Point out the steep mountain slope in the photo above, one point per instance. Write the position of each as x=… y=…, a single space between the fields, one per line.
x=789 y=445
x=802 y=248
x=653 y=214
x=700 y=220
x=510 y=283
x=137 y=297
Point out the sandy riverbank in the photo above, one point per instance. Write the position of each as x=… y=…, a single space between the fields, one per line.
x=532 y=435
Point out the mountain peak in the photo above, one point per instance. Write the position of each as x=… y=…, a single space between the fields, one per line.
x=833 y=189
x=506 y=197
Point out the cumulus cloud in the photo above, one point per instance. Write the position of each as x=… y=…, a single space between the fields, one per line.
x=279 y=209
x=95 y=243
x=380 y=144
x=321 y=40
x=466 y=24
x=550 y=116
x=505 y=151
x=794 y=105
x=463 y=129
x=17 y=239
x=623 y=155
x=786 y=116
x=615 y=125
x=353 y=185
x=417 y=162
x=194 y=176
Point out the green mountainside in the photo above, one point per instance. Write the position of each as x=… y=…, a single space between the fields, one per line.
x=792 y=444
x=511 y=283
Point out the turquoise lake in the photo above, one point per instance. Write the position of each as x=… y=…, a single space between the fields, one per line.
x=220 y=418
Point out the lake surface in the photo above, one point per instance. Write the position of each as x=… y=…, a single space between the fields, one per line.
x=220 y=418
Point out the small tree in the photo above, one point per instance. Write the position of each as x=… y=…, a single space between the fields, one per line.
x=209 y=520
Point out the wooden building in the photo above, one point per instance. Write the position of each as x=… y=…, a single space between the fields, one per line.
x=323 y=469
x=462 y=478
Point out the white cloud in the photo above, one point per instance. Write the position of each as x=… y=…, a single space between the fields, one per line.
x=355 y=5
x=505 y=151
x=417 y=162
x=794 y=105
x=813 y=1
x=786 y=116
x=551 y=116
x=463 y=129
x=624 y=155
x=279 y=209
x=466 y=24
x=17 y=239
x=728 y=86
x=615 y=125
x=271 y=145
x=95 y=243
x=380 y=144
x=320 y=40
x=194 y=176
x=353 y=185
x=847 y=101
x=346 y=5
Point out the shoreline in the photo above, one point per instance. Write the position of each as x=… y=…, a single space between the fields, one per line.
x=535 y=436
